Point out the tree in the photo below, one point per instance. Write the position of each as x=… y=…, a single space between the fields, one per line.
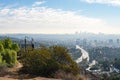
x=7 y=43
x=117 y=64
x=15 y=47
x=105 y=65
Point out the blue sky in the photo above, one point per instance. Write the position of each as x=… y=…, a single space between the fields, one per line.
x=59 y=16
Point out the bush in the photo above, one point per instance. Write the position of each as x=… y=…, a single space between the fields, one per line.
x=68 y=76
x=113 y=77
x=15 y=47
x=8 y=52
x=0 y=58
x=39 y=62
x=65 y=76
x=60 y=55
x=7 y=43
x=10 y=57
x=1 y=48
x=46 y=61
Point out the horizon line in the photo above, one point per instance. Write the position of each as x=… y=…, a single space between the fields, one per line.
x=77 y=33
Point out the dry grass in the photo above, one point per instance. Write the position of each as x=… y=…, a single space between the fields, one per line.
x=68 y=76
x=12 y=74
x=3 y=71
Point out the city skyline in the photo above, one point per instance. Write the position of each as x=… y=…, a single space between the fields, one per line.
x=59 y=16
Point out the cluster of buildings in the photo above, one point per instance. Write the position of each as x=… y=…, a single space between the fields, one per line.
x=98 y=43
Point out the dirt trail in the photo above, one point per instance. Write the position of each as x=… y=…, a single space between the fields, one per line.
x=12 y=74
x=15 y=68
x=37 y=78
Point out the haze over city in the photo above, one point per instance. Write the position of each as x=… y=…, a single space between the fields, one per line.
x=59 y=16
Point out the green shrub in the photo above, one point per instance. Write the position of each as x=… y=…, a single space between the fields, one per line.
x=60 y=54
x=38 y=62
x=0 y=58
x=2 y=62
x=10 y=57
x=7 y=43
x=15 y=47
x=46 y=61
x=1 y=47
x=8 y=52
x=113 y=77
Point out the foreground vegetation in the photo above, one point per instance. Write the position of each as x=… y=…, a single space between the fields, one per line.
x=53 y=61
x=47 y=61
x=8 y=52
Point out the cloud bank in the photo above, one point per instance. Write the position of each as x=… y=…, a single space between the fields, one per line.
x=109 y=2
x=38 y=19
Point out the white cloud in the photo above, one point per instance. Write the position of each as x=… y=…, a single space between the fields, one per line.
x=110 y=2
x=4 y=12
x=48 y=20
x=38 y=3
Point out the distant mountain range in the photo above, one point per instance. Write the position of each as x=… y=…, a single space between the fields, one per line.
x=89 y=36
